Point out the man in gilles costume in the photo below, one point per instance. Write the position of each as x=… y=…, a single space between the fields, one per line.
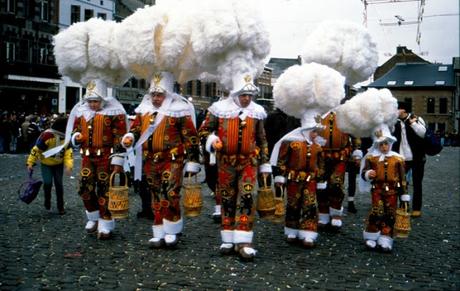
x=165 y=138
x=336 y=153
x=99 y=122
x=235 y=134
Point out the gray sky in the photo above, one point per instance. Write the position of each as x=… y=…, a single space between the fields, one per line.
x=290 y=21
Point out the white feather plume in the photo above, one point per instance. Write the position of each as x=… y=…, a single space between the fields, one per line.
x=366 y=111
x=190 y=39
x=308 y=87
x=344 y=46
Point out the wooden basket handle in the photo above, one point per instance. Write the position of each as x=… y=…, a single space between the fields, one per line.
x=113 y=175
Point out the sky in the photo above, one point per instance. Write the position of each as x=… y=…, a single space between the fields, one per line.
x=290 y=21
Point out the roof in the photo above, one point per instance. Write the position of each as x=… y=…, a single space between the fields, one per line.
x=279 y=65
x=409 y=75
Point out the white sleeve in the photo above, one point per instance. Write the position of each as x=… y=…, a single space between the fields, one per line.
x=419 y=127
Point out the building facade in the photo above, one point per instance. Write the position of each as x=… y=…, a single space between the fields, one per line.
x=430 y=89
x=29 y=81
x=70 y=12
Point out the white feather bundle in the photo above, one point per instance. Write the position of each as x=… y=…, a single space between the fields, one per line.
x=190 y=39
x=309 y=87
x=366 y=111
x=344 y=46
x=70 y=50
x=135 y=40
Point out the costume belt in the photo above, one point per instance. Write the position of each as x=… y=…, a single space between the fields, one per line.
x=301 y=176
x=387 y=187
x=236 y=159
x=171 y=155
x=96 y=151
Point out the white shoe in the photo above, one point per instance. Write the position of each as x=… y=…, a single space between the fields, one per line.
x=371 y=244
x=336 y=222
x=156 y=242
x=91 y=226
x=386 y=243
x=247 y=253
x=226 y=248
x=171 y=240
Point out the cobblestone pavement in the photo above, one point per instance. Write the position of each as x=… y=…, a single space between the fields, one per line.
x=41 y=250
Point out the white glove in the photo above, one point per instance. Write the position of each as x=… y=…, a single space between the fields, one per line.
x=321 y=186
x=405 y=198
x=265 y=168
x=280 y=179
x=192 y=167
x=357 y=154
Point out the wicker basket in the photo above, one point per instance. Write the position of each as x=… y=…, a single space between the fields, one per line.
x=402 y=224
x=193 y=201
x=266 y=201
x=118 y=198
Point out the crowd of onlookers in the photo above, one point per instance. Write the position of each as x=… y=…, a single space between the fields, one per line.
x=19 y=131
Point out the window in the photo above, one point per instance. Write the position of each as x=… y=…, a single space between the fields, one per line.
x=440 y=82
x=102 y=15
x=408 y=82
x=43 y=54
x=44 y=10
x=391 y=83
x=134 y=83
x=442 y=127
x=408 y=101
x=198 y=88
x=10 y=51
x=443 y=105
x=189 y=88
x=177 y=88
x=74 y=14
x=11 y=6
x=102 y=2
x=442 y=69
x=432 y=126
x=89 y=13
x=430 y=105
x=208 y=89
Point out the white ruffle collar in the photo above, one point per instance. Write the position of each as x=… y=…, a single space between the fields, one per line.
x=174 y=105
x=227 y=108
x=111 y=107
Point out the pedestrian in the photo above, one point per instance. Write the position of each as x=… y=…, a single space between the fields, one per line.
x=409 y=131
x=14 y=132
x=33 y=132
x=353 y=164
x=166 y=139
x=52 y=168
x=234 y=130
x=96 y=125
x=385 y=170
